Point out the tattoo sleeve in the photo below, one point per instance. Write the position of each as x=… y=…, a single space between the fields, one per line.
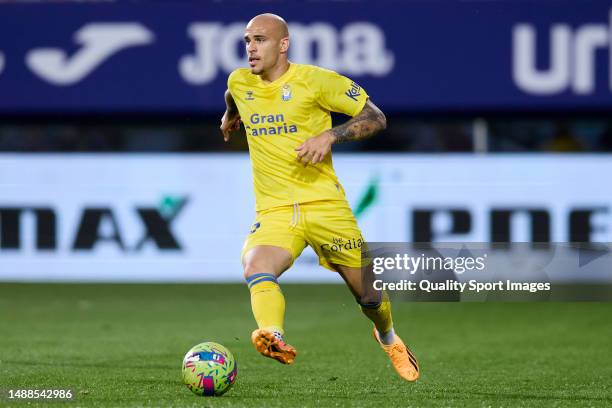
x=367 y=123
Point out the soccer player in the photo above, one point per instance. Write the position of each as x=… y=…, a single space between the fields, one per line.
x=285 y=109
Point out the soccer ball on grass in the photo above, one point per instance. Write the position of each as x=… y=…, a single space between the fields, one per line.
x=209 y=369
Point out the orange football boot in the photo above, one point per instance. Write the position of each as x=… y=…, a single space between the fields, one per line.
x=273 y=347
x=403 y=360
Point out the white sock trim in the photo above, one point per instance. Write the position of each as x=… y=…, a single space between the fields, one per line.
x=388 y=337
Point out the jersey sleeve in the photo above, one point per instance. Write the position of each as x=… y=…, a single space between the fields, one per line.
x=337 y=93
x=231 y=80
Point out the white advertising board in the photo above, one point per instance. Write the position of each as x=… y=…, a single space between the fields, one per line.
x=178 y=218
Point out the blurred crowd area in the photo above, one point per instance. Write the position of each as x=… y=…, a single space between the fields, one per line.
x=402 y=135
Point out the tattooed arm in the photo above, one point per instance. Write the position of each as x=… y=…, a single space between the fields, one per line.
x=367 y=123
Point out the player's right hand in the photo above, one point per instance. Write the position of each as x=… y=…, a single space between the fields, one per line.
x=229 y=124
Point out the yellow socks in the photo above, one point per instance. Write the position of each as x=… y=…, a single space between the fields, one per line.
x=267 y=302
x=380 y=314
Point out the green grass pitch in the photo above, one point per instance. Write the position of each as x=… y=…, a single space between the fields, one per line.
x=122 y=346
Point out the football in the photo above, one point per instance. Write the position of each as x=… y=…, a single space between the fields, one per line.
x=209 y=369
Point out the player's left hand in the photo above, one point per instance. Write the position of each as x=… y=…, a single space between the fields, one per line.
x=315 y=149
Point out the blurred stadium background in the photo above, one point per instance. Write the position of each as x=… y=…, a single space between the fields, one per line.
x=113 y=170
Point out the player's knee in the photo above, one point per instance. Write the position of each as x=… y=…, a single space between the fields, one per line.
x=266 y=260
x=253 y=267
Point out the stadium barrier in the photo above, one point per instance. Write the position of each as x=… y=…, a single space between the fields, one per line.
x=184 y=217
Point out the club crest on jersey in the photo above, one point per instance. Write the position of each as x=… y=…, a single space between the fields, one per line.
x=249 y=96
x=286 y=92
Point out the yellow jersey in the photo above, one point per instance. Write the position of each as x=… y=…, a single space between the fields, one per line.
x=280 y=116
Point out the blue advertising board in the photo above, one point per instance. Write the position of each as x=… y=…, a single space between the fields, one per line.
x=413 y=56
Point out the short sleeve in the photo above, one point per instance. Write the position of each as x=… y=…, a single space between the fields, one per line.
x=337 y=93
x=231 y=79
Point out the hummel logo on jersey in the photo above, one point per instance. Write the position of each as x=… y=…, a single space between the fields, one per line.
x=354 y=92
x=249 y=96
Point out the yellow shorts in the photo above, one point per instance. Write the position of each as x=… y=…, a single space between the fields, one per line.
x=329 y=227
